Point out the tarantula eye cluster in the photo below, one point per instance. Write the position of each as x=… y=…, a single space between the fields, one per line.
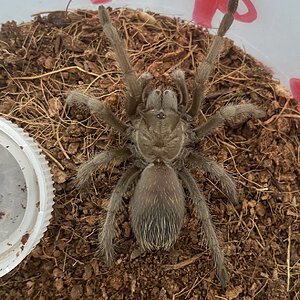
x=161 y=129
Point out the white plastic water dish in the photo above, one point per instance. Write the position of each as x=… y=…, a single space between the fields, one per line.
x=26 y=195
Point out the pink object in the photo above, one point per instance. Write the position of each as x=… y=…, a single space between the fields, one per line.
x=295 y=88
x=204 y=10
x=100 y=1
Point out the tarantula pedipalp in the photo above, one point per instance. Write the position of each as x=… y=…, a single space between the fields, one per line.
x=159 y=151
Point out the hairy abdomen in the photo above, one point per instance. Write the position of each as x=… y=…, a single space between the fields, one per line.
x=157 y=207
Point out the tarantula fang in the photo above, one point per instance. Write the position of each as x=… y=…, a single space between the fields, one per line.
x=159 y=133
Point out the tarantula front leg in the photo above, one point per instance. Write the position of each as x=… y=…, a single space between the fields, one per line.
x=133 y=85
x=107 y=233
x=205 y=68
x=226 y=113
x=202 y=210
x=102 y=159
x=217 y=172
x=97 y=107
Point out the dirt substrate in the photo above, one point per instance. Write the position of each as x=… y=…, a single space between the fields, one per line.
x=42 y=61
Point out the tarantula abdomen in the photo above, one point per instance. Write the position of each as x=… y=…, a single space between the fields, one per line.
x=157 y=207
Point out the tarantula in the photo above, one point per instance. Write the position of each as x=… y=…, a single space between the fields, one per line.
x=159 y=138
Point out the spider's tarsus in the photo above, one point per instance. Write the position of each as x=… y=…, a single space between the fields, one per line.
x=232 y=6
x=223 y=277
x=103 y=15
x=228 y=17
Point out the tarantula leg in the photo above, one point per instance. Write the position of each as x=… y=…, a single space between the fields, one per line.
x=202 y=210
x=217 y=173
x=97 y=107
x=207 y=65
x=134 y=88
x=226 y=113
x=102 y=159
x=107 y=232
x=178 y=76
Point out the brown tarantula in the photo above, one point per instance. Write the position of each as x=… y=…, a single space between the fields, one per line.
x=159 y=149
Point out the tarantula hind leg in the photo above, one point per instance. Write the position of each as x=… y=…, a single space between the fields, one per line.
x=107 y=233
x=202 y=210
x=217 y=173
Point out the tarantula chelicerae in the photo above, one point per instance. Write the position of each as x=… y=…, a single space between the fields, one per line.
x=159 y=149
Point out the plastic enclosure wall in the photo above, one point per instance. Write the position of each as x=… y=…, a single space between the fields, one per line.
x=268 y=30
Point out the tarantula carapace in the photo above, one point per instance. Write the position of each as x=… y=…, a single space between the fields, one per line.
x=159 y=151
